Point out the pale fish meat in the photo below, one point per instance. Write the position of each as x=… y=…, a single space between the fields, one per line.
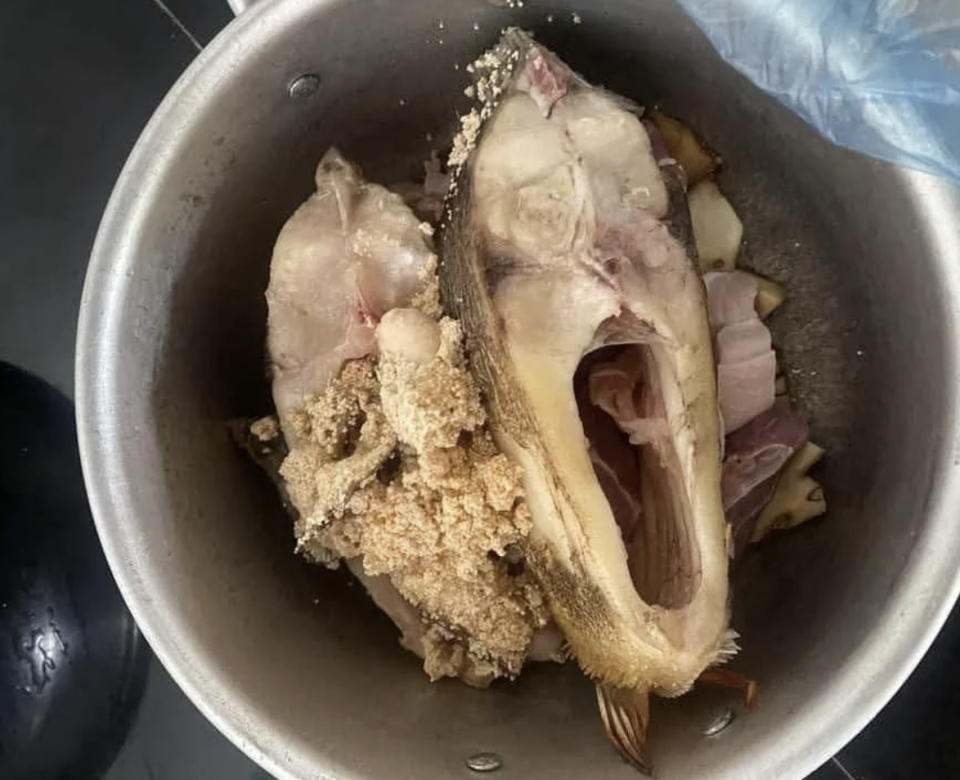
x=352 y=252
x=358 y=357
x=349 y=254
x=567 y=258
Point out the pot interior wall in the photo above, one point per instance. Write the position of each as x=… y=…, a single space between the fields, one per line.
x=293 y=659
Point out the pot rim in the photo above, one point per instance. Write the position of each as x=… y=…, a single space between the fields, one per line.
x=911 y=619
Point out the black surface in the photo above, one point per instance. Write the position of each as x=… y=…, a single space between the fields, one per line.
x=916 y=735
x=202 y=18
x=78 y=81
x=72 y=663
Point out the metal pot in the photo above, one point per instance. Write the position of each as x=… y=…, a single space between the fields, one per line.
x=293 y=664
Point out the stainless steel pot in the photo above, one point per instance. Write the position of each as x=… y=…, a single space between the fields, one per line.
x=293 y=664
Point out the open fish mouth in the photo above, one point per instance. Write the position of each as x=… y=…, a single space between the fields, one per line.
x=636 y=462
x=568 y=258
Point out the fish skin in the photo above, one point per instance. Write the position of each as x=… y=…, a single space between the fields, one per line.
x=515 y=303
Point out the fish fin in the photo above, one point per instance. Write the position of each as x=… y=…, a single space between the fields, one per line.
x=625 y=715
x=729 y=647
x=728 y=678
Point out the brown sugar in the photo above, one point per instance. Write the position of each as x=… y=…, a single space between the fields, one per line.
x=393 y=464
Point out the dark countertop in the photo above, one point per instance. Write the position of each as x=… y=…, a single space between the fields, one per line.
x=78 y=82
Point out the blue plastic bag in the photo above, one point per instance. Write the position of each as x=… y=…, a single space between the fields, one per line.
x=878 y=76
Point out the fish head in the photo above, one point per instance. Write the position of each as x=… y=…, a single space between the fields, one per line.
x=567 y=256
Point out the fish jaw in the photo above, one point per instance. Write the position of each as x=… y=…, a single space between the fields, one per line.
x=561 y=240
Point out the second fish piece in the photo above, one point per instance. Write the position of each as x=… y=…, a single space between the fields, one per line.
x=567 y=257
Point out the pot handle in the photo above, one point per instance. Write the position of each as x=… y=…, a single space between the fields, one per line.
x=239 y=6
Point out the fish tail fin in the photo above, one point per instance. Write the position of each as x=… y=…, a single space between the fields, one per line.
x=625 y=715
